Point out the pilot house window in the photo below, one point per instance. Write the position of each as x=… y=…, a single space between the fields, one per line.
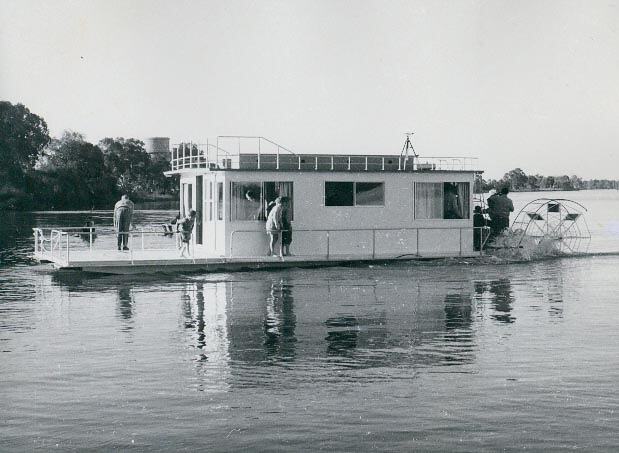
x=438 y=200
x=354 y=193
x=253 y=200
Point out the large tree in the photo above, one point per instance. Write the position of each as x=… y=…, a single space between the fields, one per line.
x=23 y=135
x=73 y=175
x=128 y=163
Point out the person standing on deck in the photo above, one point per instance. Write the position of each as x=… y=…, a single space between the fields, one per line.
x=186 y=226
x=123 y=215
x=286 y=226
x=274 y=227
x=499 y=208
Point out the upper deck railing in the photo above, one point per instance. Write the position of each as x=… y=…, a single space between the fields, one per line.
x=259 y=153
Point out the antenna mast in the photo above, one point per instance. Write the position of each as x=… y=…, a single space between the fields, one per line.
x=406 y=150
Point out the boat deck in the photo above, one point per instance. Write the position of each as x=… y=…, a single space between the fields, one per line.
x=152 y=261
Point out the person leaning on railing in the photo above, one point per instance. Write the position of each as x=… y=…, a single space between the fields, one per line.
x=123 y=215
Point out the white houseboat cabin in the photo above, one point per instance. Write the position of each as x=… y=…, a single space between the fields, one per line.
x=342 y=208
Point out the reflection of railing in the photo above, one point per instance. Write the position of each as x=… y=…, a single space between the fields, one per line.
x=59 y=244
x=329 y=232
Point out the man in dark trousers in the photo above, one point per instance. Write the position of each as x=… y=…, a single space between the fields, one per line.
x=123 y=214
x=499 y=208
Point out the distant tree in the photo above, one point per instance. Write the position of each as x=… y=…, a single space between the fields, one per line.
x=73 y=175
x=516 y=179
x=23 y=135
x=534 y=181
x=576 y=182
x=563 y=182
x=548 y=182
x=128 y=162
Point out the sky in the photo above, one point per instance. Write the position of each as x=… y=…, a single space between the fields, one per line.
x=532 y=84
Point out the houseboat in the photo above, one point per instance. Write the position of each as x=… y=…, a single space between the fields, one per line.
x=343 y=208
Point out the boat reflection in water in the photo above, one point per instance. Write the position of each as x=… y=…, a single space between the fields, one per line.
x=239 y=328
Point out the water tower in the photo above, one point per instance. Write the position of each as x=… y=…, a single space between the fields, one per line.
x=158 y=147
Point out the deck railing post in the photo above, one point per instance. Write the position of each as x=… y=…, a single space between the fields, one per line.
x=36 y=241
x=373 y=239
x=277 y=163
x=67 y=247
x=328 y=245
x=90 y=239
x=417 y=242
x=259 y=142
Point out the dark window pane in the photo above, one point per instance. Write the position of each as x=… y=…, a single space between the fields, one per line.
x=339 y=194
x=220 y=201
x=370 y=194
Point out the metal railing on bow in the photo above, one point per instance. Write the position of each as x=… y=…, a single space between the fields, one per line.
x=69 y=244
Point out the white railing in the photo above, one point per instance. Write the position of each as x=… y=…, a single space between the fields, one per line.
x=328 y=233
x=55 y=244
x=261 y=153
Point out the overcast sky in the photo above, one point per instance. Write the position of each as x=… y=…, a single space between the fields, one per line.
x=531 y=84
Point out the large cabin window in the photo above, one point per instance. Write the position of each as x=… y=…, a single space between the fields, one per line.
x=253 y=200
x=437 y=200
x=338 y=193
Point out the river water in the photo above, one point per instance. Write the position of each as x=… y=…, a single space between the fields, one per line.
x=438 y=356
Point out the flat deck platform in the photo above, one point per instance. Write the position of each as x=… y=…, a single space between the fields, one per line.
x=153 y=261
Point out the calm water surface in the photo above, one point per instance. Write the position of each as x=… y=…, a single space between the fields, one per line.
x=441 y=356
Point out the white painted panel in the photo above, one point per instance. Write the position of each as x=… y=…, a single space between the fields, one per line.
x=389 y=242
x=350 y=243
x=439 y=241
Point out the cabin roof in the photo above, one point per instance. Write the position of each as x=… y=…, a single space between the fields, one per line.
x=242 y=153
x=325 y=163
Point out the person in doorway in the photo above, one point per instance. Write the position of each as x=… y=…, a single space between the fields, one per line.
x=479 y=230
x=286 y=226
x=274 y=227
x=186 y=227
x=499 y=208
x=123 y=217
x=451 y=209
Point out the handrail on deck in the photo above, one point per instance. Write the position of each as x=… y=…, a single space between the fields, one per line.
x=328 y=232
x=53 y=247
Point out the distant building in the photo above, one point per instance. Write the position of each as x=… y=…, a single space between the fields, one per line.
x=158 y=147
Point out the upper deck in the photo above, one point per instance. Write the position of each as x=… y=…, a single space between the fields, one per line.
x=248 y=153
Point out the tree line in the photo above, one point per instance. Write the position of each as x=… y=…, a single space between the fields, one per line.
x=518 y=180
x=41 y=172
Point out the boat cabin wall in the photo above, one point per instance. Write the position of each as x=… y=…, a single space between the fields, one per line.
x=344 y=213
x=204 y=193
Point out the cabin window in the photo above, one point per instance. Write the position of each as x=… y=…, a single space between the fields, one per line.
x=220 y=201
x=354 y=193
x=253 y=200
x=369 y=194
x=449 y=200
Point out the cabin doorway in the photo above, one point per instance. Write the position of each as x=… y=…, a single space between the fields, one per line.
x=186 y=199
x=213 y=211
x=199 y=209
